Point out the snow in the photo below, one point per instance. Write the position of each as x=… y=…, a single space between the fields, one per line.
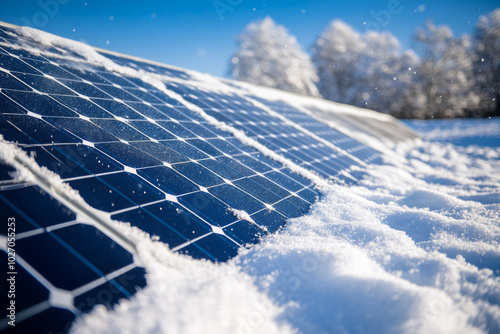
x=413 y=248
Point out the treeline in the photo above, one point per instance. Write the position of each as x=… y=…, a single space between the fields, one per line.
x=450 y=77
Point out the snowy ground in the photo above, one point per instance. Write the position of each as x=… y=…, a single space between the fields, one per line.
x=413 y=248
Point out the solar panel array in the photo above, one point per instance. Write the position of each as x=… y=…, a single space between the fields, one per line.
x=146 y=159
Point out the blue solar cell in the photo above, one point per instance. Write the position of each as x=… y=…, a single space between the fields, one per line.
x=152 y=130
x=99 y=195
x=38 y=248
x=128 y=155
x=284 y=181
x=105 y=254
x=85 y=74
x=52 y=320
x=205 y=147
x=173 y=113
x=177 y=129
x=198 y=174
x=255 y=189
x=224 y=146
x=39 y=104
x=142 y=95
x=118 y=109
x=132 y=187
x=160 y=151
x=83 y=129
x=154 y=226
x=13 y=64
x=186 y=149
x=87 y=157
x=31 y=291
x=237 y=143
x=209 y=208
x=244 y=232
x=110 y=292
x=271 y=220
x=275 y=188
x=56 y=161
x=117 y=92
x=213 y=247
x=168 y=180
x=140 y=83
x=43 y=84
x=9 y=106
x=310 y=194
x=200 y=130
x=120 y=129
x=116 y=79
x=86 y=89
x=50 y=69
x=83 y=106
x=292 y=207
x=169 y=221
x=147 y=111
x=10 y=82
x=227 y=168
x=236 y=198
x=253 y=163
x=8 y=210
x=41 y=209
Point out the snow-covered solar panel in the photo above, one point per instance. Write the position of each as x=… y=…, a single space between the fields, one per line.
x=139 y=155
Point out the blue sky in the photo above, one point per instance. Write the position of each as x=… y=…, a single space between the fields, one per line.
x=199 y=35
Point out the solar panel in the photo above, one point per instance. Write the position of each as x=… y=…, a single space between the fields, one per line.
x=141 y=156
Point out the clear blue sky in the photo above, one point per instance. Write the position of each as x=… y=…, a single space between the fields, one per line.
x=199 y=35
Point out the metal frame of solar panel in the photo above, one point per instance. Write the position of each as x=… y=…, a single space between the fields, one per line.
x=144 y=158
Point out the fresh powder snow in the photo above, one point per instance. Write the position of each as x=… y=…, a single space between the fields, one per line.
x=412 y=248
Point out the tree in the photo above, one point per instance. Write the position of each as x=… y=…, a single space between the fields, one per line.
x=268 y=55
x=385 y=75
x=444 y=76
x=336 y=55
x=487 y=61
x=369 y=70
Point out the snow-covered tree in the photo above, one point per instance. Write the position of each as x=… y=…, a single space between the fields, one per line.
x=336 y=55
x=369 y=70
x=487 y=61
x=385 y=75
x=268 y=55
x=444 y=75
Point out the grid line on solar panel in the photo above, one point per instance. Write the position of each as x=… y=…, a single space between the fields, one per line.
x=105 y=133
x=347 y=143
x=268 y=126
x=47 y=243
x=327 y=133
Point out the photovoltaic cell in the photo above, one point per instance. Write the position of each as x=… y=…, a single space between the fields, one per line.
x=145 y=158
